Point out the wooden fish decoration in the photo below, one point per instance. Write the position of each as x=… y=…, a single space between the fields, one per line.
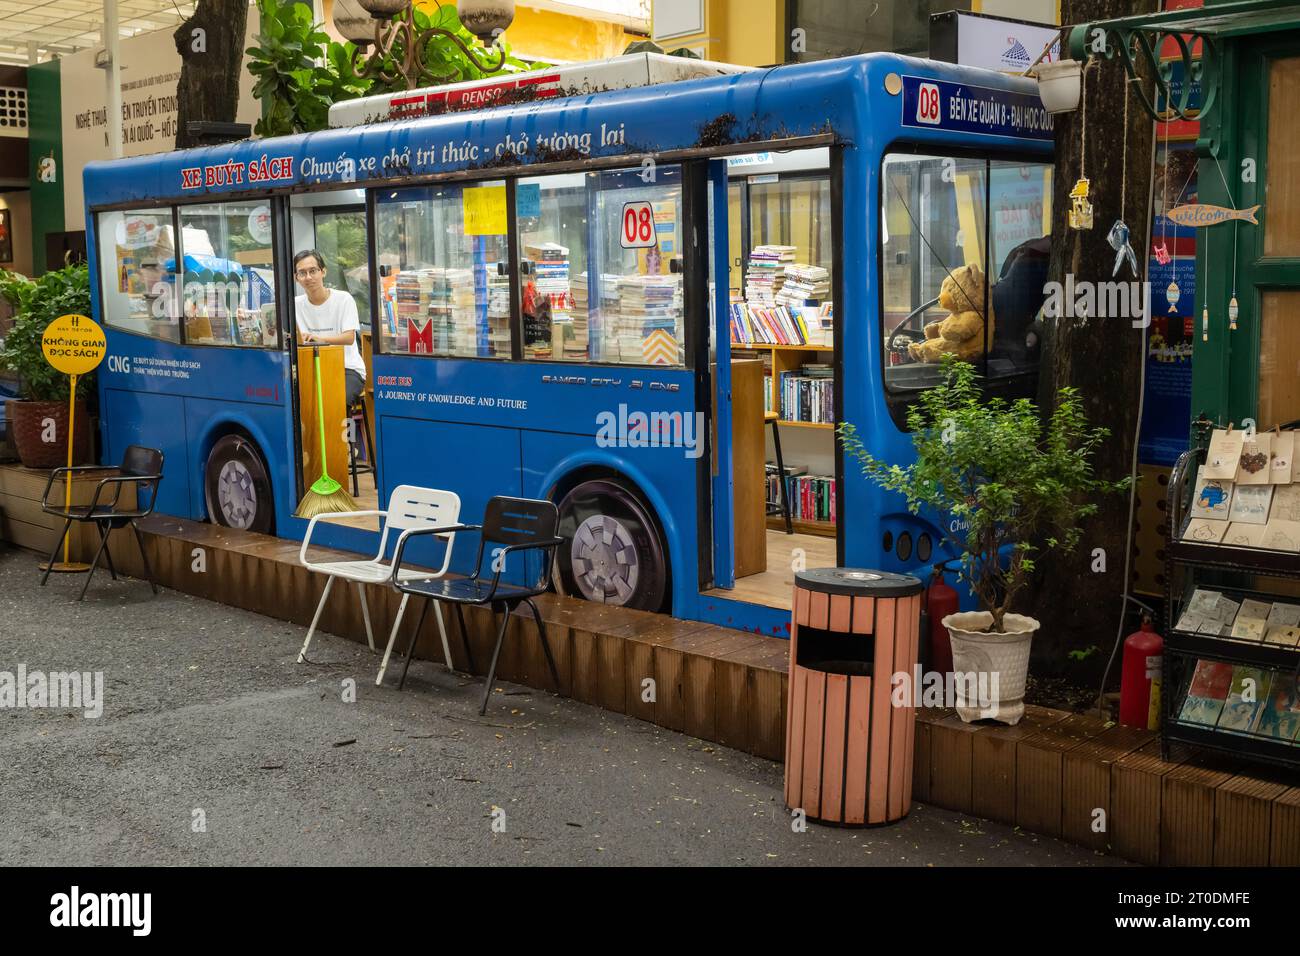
x=1173 y=294
x=1200 y=214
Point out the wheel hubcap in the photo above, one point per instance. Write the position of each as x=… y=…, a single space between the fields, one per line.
x=236 y=495
x=604 y=560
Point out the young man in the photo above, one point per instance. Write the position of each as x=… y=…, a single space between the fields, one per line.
x=328 y=317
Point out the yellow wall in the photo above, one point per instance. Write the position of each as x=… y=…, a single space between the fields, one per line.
x=544 y=34
x=747 y=32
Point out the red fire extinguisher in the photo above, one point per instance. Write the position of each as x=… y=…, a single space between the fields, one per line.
x=940 y=601
x=1142 y=654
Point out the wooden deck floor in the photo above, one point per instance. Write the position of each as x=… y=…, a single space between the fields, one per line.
x=775 y=586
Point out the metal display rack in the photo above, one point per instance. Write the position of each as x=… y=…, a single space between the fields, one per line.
x=1233 y=571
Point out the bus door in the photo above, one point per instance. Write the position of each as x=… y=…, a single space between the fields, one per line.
x=772 y=269
x=334 y=225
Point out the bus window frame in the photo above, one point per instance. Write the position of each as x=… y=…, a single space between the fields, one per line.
x=337 y=209
x=98 y=214
x=898 y=399
x=510 y=177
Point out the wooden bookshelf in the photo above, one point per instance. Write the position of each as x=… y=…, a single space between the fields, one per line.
x=823 y=529
x=793 y=424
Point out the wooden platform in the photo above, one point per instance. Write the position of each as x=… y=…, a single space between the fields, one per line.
x=22 y=521
x=1055 y=773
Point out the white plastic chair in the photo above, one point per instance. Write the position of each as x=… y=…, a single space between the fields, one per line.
x=410 y=508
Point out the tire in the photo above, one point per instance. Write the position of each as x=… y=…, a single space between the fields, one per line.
x=237 y=488
x=612 y=551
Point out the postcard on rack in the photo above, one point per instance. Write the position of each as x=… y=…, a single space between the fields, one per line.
x=1281 y=535
x=1207 y=693
x=1205 y=532
x=1283 y=624
x=1250 y=503
x=1280 y=715
x=1251 y=620
x=1252 y=467
x=1246 y=698
x=1212 y=498
x=1224 y=455
x=1281 y=460
x=1286 y=502
x=1244 y=535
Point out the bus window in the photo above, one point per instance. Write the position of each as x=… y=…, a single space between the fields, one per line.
x=341 y=238
x=137 y=255
x=442 y=254
x=228 y=288
x=600 y=266
x=794 y=211
x=963 y=264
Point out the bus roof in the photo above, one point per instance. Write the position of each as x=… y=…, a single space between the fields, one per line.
x=864 y=101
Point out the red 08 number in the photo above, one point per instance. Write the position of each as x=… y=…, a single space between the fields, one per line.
x=638 y=225
x=927 y=104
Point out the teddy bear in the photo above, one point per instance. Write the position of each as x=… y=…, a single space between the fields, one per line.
x=963 y=332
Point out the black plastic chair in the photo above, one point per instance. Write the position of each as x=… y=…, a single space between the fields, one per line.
x=141 y=467
x=510 y=526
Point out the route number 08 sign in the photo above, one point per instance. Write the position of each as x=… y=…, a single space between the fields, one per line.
x=638 y=226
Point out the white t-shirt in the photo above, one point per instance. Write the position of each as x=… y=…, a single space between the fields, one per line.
x=336 y=314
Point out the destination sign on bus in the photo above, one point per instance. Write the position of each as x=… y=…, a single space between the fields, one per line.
x=961 y=107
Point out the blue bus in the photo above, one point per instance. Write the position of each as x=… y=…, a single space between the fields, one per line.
x=563 y=298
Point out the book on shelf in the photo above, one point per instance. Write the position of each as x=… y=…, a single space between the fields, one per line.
x=808 y=394
x=811 y=497
x=765 y=273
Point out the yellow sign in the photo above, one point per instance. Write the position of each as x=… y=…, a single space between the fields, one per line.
x=484 y=208
x=73 y=344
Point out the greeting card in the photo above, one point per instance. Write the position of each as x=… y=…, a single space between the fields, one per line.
x=1250 y=503
x=1212 y=498
x=1252 y=466
x=1224 y=455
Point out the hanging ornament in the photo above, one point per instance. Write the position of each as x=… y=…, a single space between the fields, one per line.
x=1233 y=310
x=1173 y=294
x=1080 y=209
x=1162 y=254
x=1118 y=237
x=1205 y=325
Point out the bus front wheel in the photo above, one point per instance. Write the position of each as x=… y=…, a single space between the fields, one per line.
x=612 y=552
x=237 y=487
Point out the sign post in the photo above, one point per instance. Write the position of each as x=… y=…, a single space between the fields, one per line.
x=73 y=345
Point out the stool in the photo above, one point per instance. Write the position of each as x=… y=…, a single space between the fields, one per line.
x=773 y=419
x=358 y=410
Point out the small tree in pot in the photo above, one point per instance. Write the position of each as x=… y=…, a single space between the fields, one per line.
x=44 y=391
x=1017 y=485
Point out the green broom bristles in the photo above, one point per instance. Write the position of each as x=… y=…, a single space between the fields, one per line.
x=325 y=496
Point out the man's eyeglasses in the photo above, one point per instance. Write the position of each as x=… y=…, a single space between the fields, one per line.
x=308 y=273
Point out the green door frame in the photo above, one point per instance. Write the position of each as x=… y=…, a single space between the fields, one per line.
x=1225 y=370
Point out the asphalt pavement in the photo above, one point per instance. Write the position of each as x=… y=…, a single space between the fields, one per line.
x=215 y=747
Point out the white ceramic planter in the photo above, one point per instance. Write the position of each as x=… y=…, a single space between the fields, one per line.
x=1059 y=85
x=1001 y=658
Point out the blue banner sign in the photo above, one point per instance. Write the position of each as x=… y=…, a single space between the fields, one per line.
x=939 y=104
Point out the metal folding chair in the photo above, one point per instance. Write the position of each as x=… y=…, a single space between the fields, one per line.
x=411 y=509
x=141 y=467
x=510 y=526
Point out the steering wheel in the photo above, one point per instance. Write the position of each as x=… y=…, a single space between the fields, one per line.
x=915 y=313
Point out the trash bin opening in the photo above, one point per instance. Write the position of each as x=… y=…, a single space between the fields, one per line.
x=836 y=653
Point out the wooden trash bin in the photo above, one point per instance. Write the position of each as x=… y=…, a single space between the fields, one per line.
x=848 y=749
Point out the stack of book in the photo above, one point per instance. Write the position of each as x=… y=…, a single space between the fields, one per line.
x=645 y=305
x=498 y=311
x=765 y=273
x=804 y=285
x=412 y=293
x=808 y=395
x=452 y=311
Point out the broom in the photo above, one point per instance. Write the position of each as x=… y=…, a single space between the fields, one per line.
x=325 y=496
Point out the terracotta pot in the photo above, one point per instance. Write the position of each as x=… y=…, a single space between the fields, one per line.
x=999 y=661
x=28 y=426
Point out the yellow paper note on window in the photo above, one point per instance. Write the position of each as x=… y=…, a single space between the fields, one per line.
x=484 y=208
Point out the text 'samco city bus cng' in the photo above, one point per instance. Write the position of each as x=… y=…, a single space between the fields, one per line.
x=549 y=291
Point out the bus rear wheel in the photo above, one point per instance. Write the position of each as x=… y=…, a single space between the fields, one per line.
x=612 y=551
x=237 y=487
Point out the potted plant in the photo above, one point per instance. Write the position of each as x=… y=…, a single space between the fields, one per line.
x=1017 y=486
x=39 y=421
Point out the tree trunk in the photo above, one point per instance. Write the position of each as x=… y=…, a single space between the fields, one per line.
x=211 y=45
x=1079 y=604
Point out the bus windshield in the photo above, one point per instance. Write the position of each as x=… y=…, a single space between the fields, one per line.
x=963 y=259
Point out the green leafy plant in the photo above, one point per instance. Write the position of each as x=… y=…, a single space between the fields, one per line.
x=300 y=71
x=649 y=46
x=36 y=304
x=1017 y=484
